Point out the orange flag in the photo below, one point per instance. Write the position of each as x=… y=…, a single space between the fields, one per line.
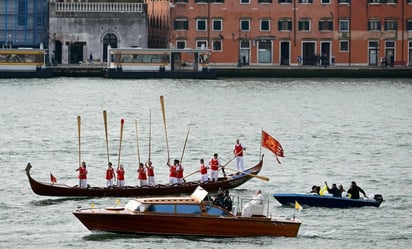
x=272 y=144
x=52 y=178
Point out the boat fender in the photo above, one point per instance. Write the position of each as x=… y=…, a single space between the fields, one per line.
x=323 y=190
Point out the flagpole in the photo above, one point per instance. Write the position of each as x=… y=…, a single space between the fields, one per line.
x=261 y=140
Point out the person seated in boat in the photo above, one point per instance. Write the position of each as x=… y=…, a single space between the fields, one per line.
x=214 y=164
x=255 y=206
x=354 y=190
x=109 y=175
x=218 y=200
x=172 y=172
x=82 y=175
x=227 y=201
x=342 y=191
x=179 y=172
x=120 y=176
x=315 y=190
x=141 y=176
x=150 y=173
x=204 y=177
x=334 y=190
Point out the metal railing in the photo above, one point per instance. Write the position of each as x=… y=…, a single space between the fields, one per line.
x=99 y=7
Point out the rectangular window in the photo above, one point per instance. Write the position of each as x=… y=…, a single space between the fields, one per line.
x=244 y=44
x=373 y=44
x=22 y=13
x=201 y=24
x=181 y=24
x=201 y=1
x=181 y=1
x=180 y=44
x=265 y=25
x=344 y=1
x=285 y=25
x=374 y=25
x=344 y=46
x=217 y=45
x=245 y=1
x=217 y=1
x=39 y=21
x=264 y=1
x=391 y=1
x=409 y=25
x=284 y=1
x=325 y=1
x=391 y=25
x=325 y=25
x=344 y=25
x=201 y=44
x=244 y=25
x=304 y=25
x=390 y=44
x=375 y=1
x=305 y=1
x=217 y=24
x=409 y=1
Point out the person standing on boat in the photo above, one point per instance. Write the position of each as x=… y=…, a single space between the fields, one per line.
x=141 y=176
x=227 y=201
x=353 y=191
x=120 y=176
x=238 y=152
x=214 y=164
x=172 y=172
x=150 y=173
x=109 y=175
x=203 y=171
x=82 y=175
x=179 y=172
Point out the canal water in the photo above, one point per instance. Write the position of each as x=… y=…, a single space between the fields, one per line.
x=335 y=130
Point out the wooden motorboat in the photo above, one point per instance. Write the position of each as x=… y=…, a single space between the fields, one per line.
x=230 y=181
x=183 y=216
x=326 y=200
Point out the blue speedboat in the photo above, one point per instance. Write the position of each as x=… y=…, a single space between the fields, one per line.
x=326 y=200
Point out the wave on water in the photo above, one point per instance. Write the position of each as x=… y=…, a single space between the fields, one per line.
x=48 y=202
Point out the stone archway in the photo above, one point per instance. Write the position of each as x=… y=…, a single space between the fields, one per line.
x=108 y=39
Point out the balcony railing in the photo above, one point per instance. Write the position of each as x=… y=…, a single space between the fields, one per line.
x=99 y=7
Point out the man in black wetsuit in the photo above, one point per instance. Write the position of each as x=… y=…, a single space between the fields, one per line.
x=334 y=190
x=354 y=190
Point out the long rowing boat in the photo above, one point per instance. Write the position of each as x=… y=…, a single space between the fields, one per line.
x=230 y=181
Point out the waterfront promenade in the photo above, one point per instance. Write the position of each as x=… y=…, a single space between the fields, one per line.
x=98 y=70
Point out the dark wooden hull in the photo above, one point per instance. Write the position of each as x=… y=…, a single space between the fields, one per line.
x=187 y=225
x=231 y=181
x=324 y=201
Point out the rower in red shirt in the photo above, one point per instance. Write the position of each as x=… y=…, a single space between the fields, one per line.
x=109 y=175
x=82 y=175
x=238 y=153
x=203 y=171
x=141 y=176
x=150 y=173
x=214 y=164
x=172 y=171
x=120 y=176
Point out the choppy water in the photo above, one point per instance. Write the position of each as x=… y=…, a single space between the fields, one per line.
x=336 y=130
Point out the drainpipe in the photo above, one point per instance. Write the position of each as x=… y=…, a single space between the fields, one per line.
x=403 y=29
x=350 y=33
x=294 y=23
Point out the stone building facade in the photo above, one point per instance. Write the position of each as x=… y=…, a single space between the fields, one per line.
x=81 y=31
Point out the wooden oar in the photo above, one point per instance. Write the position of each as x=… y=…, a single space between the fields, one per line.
x=137 y=143
x=257 y=176
x=107 y=139
x=164 y=122
x=78 y=134
x=191 y=174
x=150 y=133
x=120 y=146
x=184 y=146
x=121 y=137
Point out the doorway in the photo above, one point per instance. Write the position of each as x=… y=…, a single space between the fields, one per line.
x=108 y=39
x=265 y=52
x=76 y=52
x=308 y=52
x=325 y=53
x=285 y=53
